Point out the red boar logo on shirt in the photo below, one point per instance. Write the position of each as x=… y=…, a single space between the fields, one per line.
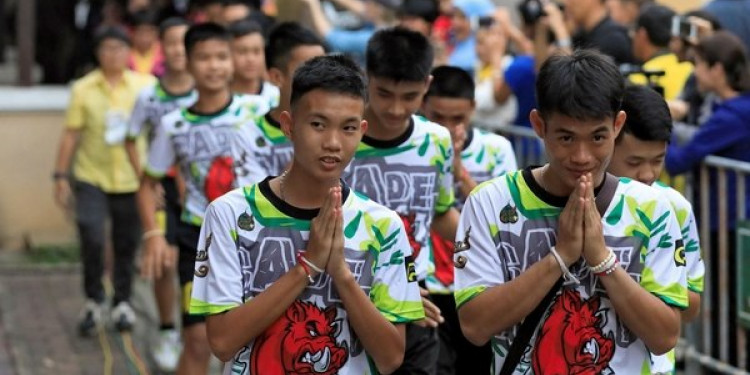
x=220 y=178
x=571 y=340
x=410 y=231
x=302 y=341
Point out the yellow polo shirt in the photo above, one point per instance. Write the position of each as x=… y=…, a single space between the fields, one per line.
x=100 y=112
x=675 y=74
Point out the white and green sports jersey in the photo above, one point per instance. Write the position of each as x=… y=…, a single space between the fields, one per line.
x=270 y=155
x=200 y=144
x=410 y=175
x=695 y=266
x=485 y=156
x=250 y=238
x=152 y=104
x=270 y=93
x=510 y=222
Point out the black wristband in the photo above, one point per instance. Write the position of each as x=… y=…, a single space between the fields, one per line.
x=60 y=175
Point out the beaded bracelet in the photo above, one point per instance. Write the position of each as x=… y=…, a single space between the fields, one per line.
x=605 y=264
x=608 y=270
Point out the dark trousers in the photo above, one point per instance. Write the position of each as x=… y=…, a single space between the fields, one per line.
x=457 y=354
x=93 y=208
x=422 y=349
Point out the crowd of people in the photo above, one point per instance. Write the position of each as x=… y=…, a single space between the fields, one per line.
x=332 y=196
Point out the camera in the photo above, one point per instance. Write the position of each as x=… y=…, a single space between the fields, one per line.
x=532 y=10
x=683 y=28
x=481 y=22
x=651 y=75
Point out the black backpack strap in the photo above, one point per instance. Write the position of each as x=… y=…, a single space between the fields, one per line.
x=517 y=348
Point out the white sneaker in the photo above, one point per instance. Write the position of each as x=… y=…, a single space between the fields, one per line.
x=167 y=351
x=123 y=316
x=91 y=318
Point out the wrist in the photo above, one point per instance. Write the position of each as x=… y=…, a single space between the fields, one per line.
x=599 y=256
x=60 y=176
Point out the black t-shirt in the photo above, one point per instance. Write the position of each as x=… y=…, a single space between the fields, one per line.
x=609 y=38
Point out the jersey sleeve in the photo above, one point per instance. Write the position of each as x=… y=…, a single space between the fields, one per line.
x=216 y=284
x=505 y=158
x=74 y=116
x=696 y=268
x=139 y=115
x=446 y=196
x=665 y=268
x=477 y=261
x=246 y=155
x=161 y=154
x=395 y=291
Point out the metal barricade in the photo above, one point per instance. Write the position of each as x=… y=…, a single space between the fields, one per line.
x=695 y=346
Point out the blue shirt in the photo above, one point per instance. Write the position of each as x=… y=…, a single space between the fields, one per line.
x=351 y=42
x=464 y=55
x=725 y=134
x=734 y=15
x=520 y=77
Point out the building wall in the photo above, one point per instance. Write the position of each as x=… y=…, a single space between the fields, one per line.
x=28 y=146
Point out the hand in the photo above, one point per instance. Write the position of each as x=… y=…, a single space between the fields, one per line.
x=570 y=228
x=556 y=20
x=63 y=195
x=322 y=228
x=157 y=256
x=432 y=316
x=594 y=249
x=337 y=266
x=458 y=137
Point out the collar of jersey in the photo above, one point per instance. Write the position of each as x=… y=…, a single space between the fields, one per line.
x=271 y=211
x=165 y=96
x=195 y=117
x=272 y=129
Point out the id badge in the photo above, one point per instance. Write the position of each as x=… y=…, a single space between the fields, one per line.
x=116 y=127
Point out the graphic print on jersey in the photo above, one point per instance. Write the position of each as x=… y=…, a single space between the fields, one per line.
x=302 y=341
x=571 y=340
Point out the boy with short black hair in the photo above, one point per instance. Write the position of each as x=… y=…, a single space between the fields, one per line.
x=196 y=139
x=480 y=156
x=404 y=162
x=615 y=243
x=299 y=273
x=639 y=154
x=289 y=46
x=248 y=55
x=173 y=90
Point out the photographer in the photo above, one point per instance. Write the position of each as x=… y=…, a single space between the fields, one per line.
x=650 y=45
x=597 y=30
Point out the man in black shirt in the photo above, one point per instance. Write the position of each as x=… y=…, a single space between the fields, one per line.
x=598 y=31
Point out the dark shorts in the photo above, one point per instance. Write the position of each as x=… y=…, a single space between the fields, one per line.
x=172 y=209
x=457 y=354
x=187 y=241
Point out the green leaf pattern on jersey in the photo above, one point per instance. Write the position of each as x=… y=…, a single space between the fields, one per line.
x=529 y=204
x=411 y=310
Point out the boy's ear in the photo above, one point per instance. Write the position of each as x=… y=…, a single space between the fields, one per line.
x=619 y=122
x=537 y=123
x=363 y=126
x=285 y=119
x=276 y=77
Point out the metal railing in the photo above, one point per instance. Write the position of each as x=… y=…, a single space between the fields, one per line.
x=695 y=346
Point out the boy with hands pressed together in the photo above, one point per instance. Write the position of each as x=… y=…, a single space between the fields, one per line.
x=616 y=243
x=298 y=273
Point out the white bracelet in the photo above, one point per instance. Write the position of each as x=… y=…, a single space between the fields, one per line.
x=606 y=264
x=152 y=233
x=567 y=275
x=311 y=265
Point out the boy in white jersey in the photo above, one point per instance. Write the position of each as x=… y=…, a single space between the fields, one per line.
x=283 y=264
x=404 y=163
x=289 y=46
x=249 y=60
x=639 y=155
x=615 y=243
x=173 y=90
x=196 y=139
x=479 y=157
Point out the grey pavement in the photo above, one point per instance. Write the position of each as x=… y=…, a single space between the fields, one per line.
x=39 y=311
